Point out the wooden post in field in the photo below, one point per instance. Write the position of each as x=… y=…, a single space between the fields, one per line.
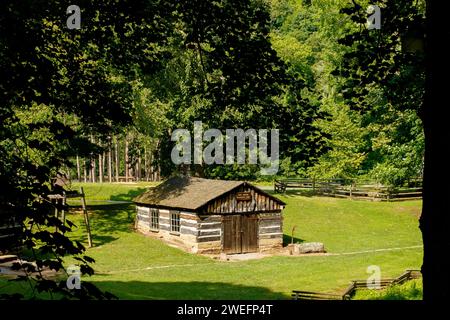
x=314 y=185
x=64 y=202
x=86 y=217
x=292 y=234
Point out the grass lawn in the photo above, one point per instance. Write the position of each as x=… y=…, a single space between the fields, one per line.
x=133 y=266
x=113 y=191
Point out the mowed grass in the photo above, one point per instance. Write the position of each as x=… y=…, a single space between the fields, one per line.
x=133 y=266
x=345 y=225
x=113 y=191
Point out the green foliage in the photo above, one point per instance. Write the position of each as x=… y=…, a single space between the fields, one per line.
x=57 y=86
x=384 y=81
x=367 y=86
x=306 y=36
x=345 y=139
x=411 y=290
x=226 y=74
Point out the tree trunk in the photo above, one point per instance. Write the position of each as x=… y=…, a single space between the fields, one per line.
x=84 y=170
x=103 y=164
x=93 y=166
x=152 y=168
x=138 y=167
x=145 y=164
x=92 y=161
x=109 y=163
x=158 y=155
x=126 y=160
x=116 y=151
x=100 y=168
x=435 y=218
x=78 y=169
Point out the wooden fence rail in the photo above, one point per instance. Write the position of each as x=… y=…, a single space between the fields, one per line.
x=306 y=295
x=364 y=190
x=355 y=285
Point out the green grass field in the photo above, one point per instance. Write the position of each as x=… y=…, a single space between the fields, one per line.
x=133 y=266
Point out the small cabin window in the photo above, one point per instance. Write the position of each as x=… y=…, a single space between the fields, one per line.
x=175 y=222
x=154 y=219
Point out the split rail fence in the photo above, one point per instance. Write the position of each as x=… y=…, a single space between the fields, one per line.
x=355 y=285
x=366 y=190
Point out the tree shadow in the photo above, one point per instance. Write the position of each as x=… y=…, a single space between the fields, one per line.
x=287 y=239
x=196 y=290
x=129 y=196
x=97 y=240
x=105 y=222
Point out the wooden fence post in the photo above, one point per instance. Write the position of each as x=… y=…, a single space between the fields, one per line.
x=314 y=185
x=64 y=202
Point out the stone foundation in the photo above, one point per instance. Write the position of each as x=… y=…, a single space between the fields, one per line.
x=270 y=245
x=211 y=247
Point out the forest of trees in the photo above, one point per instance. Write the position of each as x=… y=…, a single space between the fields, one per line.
x=301 y=78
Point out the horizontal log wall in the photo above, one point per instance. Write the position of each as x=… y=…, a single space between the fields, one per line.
x=203 y=233
x=187 y=238
x=270 y=232
x=209 y=234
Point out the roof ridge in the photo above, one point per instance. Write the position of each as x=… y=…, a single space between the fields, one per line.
x=191 y=193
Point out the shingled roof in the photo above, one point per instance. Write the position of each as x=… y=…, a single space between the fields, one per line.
x=188 y=192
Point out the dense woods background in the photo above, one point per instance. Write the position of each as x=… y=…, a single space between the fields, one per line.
x=346 y=99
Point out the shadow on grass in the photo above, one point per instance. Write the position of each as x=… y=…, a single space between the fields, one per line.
x=129 y=196
x=138 y=290
x=105 y=222
x=287 y=239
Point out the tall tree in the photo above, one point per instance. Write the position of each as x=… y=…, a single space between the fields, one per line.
x=435 y=219
x=409 y=68
x=226 y=74
x=384 y=81
x=48 y=73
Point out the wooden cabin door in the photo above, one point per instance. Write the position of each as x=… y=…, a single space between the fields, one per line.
x=240 y=233
x=249 y=233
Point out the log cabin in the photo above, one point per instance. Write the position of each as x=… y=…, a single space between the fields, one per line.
x=208 y=216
